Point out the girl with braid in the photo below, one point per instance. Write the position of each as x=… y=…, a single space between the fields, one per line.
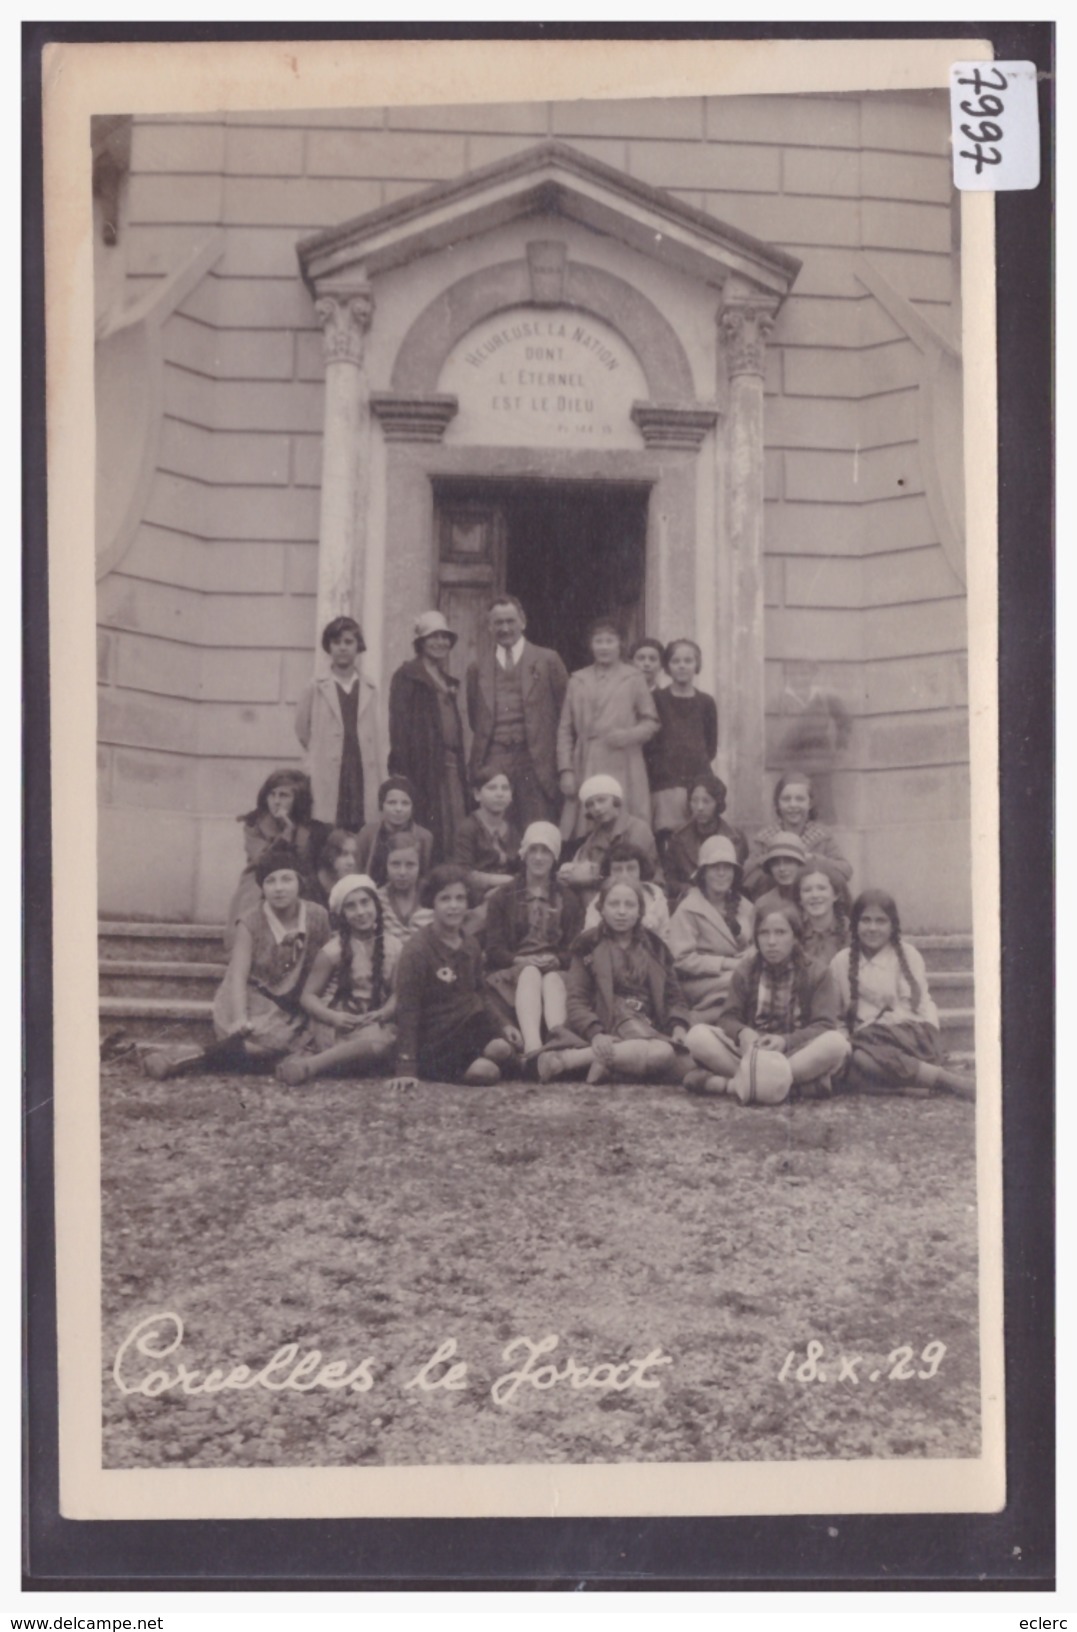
x=892 y=1022
x=349 y=993
x=711 y=929
x=778 y=999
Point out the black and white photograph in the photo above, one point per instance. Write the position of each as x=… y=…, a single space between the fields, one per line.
x=547 y=997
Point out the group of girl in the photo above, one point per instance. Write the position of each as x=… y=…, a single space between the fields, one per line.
x=731 y=967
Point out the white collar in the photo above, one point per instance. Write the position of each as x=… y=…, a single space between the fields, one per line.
x=517 y=652
x=351 y=679
x=280 y=930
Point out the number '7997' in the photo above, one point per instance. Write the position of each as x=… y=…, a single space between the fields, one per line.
x=988 y=108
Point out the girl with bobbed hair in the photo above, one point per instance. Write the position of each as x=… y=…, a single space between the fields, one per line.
x=401 y=894
x=777 y=999
x=706 y=807
x=396 y=814
x=281 y=815
x=794 y=808
x=607 y=717
x=687 y=739
x=447 y=1027
x=893 y=1023
x=627 y=860
x=822 y=895
x=336 y=722
x=257 y=1015
x=647 y=656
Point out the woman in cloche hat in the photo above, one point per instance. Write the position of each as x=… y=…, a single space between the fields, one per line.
x=711 y=928
x=426 y=737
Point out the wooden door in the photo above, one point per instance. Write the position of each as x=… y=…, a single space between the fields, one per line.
x=471 y=571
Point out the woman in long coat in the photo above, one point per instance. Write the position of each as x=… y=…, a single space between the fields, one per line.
x=608 y=715
x=426 y=737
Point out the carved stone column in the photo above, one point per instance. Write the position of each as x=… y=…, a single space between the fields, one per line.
x=744 y=322
x=345 y=312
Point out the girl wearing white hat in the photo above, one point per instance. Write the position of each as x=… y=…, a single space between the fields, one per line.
x=531 y=923
x=711 y=929
x=349 y=991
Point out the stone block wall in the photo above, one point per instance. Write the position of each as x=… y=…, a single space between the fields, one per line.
x=207 y=623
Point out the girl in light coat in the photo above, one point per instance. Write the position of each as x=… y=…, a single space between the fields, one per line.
x=336 y=722
x=711 y=929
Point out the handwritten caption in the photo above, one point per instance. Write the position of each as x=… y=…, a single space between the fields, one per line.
x=995 y=126
x=900 y=1366
x=304 y=1371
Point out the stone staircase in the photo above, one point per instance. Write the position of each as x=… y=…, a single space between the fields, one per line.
x=157 y=982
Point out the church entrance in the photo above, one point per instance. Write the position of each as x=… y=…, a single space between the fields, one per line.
x=571 y=551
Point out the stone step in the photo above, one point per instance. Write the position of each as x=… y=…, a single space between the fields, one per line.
x=131 y=977
x=943 y=951
x=161 y=943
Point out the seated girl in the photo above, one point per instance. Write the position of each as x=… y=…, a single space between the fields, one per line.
x=486 y=843
x=602 y=807
x=625 y=1007
x=893 y=1023
x=336 y=860
x=686 y=743
x=794 y=808
x=349 y=991
x=256 y=1014
x=447 y=1029
x=396 y=804
x=706 y=803
x=399 y=895
x=779 y=868
x=281 y=815
x=777 y=1000
x=823 y=898
x=711 y=929
x=531 y=922
x=625 y=860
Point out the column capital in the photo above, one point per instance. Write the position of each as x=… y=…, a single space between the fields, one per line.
x=743 y=327
x=345 y=313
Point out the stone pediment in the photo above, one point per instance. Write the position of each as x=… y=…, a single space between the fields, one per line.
x=550 y=178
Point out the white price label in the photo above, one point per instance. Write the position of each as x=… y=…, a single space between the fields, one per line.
x=994 y=126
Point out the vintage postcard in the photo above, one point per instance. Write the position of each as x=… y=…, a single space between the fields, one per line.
x=436 y=425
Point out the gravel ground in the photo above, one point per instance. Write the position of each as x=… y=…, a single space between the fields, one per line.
x=629 y=1222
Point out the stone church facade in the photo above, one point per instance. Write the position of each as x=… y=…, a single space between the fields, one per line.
x=694 y=362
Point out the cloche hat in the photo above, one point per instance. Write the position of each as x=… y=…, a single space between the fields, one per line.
x=712 y=851
x=788 y=845
x=432 y=623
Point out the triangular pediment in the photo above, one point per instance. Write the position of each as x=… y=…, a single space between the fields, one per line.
x=550 y=178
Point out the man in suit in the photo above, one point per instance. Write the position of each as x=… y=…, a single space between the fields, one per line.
x=514 y=698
